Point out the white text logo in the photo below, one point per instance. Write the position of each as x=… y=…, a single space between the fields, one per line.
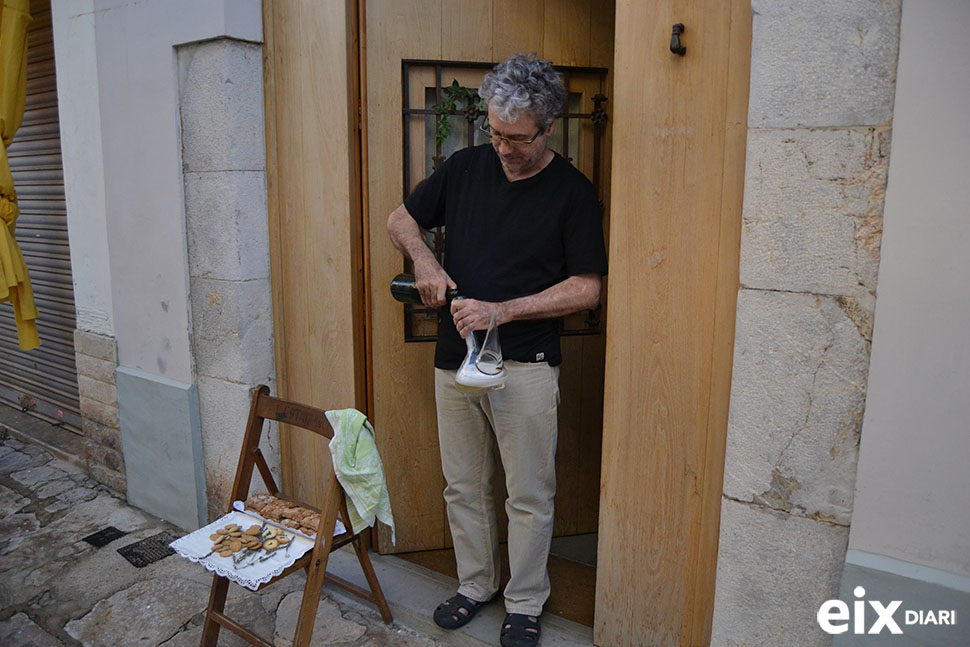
x=834 y=616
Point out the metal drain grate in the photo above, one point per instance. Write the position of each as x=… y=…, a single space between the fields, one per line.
x=148 y=550
x=104 y=537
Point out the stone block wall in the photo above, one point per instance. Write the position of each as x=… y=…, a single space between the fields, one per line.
x=819 y=117
x=97 y=359
x=227 y=231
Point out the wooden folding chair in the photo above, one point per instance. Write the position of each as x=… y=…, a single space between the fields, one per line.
x=265 y=407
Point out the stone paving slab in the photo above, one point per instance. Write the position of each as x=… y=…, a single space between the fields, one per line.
x=23 y=458
x=10 y=502
x=154 y=611
x=21 y=631
x=339 y=631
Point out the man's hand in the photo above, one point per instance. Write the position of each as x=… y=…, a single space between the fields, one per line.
x=432 y=281
x=578 y=292
x=429 y=277
x=472 y=314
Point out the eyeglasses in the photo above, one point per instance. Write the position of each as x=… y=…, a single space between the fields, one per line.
x=496 y=138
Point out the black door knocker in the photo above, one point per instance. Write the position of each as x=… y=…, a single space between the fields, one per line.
x=675 y=45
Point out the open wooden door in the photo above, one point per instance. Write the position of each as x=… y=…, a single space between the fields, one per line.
x=403 y=41
x=312 y=167
x=674 y=250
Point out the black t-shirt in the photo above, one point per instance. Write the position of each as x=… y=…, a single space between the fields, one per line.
x=509 y=239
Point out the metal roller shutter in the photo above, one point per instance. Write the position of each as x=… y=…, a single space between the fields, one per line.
x=43 y=381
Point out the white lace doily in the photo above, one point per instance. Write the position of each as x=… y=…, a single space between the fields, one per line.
x=197 y=547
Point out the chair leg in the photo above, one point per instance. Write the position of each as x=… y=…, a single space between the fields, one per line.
x=217 y=602
x=375 y=586
x=311 y=600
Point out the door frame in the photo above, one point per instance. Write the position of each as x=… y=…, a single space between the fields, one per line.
x=344 y=265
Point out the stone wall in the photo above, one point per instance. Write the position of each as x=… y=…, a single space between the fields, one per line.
x=820 y=114
x=224 y=171
x=96 y=357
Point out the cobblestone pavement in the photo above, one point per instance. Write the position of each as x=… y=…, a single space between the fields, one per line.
x=59 y=591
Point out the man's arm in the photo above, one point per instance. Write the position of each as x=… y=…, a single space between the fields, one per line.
x=430 y=278
x=579 y=292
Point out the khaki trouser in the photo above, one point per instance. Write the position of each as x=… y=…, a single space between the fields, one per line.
x=522 y=417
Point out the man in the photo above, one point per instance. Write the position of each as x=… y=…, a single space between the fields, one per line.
x=524 y=244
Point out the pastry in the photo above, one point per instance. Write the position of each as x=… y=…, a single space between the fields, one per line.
x=291 y=523
x=312 y=521
x=258 y=501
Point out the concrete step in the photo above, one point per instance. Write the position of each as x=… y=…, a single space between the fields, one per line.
x=413 y=592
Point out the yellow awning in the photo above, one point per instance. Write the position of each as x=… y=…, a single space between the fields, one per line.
x=14 y=281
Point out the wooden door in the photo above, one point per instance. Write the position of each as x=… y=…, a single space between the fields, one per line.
x=674 y=248
x=313 y=187
x=574 y=33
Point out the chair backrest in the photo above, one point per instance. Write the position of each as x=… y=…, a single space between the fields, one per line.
x=291 y=413
x=266 y=407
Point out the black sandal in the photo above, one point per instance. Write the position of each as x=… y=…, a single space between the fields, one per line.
x=457 y=611
x=520 y=630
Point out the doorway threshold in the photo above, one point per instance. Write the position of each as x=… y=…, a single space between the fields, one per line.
x=413 y=592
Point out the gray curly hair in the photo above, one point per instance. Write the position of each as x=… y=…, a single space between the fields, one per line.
x=523 y=84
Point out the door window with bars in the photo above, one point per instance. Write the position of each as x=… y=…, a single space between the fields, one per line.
x=442 y=114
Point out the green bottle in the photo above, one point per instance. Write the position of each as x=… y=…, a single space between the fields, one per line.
x=403 y=289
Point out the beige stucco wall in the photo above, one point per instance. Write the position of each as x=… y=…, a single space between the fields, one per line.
x=913 y=480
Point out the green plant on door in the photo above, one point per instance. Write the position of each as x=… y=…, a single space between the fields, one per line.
x=456 y=99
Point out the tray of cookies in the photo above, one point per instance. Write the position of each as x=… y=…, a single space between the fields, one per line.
x=243 y=548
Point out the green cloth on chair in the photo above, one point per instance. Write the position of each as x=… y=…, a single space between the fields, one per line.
x=359 y=469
